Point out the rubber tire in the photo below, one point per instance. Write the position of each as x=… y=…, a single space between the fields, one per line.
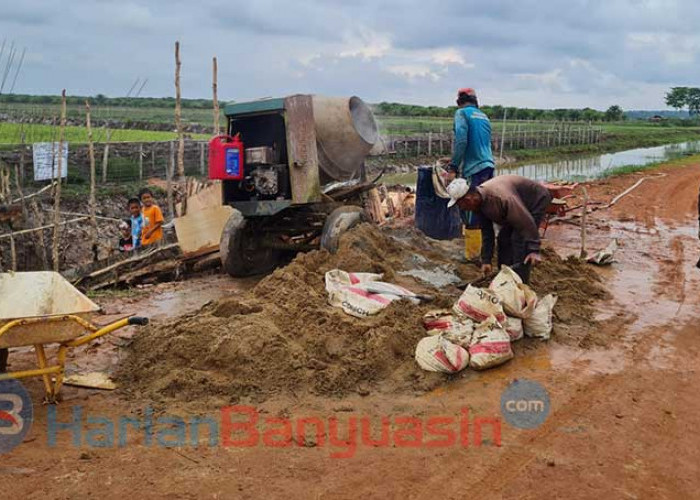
x=240 y=256
x=338 y=222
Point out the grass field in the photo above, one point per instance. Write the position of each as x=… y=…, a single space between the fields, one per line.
x=11 y=133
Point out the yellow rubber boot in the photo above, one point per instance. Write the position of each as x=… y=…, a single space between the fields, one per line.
x=472 y=243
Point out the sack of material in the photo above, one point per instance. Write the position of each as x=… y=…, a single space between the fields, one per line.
x=539 y=324
x=456 y=329
x=479 y=304
x=514 y=328
x=437 y=354
x=518 y=299
x=490 y=346
x=361 y=294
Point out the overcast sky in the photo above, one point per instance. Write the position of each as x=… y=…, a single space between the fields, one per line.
x=534 y=53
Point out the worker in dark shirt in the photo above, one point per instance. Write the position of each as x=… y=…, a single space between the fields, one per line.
x=515 y=203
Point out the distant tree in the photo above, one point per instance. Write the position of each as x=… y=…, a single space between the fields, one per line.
x=677 y=97
x=614 y=114
x=693 y=101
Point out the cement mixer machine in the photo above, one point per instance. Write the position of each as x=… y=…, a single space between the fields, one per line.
x=293 y=170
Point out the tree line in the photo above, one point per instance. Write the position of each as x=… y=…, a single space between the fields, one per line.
x=613 y=113
x=102 y=100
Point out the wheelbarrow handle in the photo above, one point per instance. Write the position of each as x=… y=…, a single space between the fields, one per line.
x=138 y=320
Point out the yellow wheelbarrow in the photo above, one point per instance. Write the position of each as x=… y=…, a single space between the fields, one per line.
x=41 y=308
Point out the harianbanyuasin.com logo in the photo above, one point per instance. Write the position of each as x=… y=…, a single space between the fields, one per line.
x=16 y=414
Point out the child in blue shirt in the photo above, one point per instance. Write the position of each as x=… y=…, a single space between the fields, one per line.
x=137 y=221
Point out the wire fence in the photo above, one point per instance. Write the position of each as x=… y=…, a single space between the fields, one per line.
x=118 y=162
x=115 y=162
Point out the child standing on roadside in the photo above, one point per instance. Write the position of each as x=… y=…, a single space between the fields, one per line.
x=152 y=230
x=137 y=222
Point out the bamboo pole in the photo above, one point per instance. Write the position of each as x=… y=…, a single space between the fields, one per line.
x=215 y=87
x=178 y=118
x=92 y=202
x=41 y=228
x=57 y=195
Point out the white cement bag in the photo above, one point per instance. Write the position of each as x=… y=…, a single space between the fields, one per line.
x=456 y=329
x=490 y=346
x=517 y=298
x=539 y=325
x=437 y=354
x=360 y=294
x=479 y=304
x=514 y=328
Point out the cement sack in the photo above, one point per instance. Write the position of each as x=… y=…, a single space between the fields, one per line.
x=479 y=304
x=539 y=325
x=361 y=294
x=437 y=354
x=518 y=299
x=514 y=328
x=490 y=346
x=456 y=329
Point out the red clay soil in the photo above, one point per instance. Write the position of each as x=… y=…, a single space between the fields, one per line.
x=624 y=402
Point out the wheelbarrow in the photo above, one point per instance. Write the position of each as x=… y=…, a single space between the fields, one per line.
x=42 y=308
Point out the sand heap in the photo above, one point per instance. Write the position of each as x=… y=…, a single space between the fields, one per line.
x=283 y=337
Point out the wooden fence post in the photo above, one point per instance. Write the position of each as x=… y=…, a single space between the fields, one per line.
x=202 y=168
x=214 y=88
x=430 y=143
x=92 y=202
x=170 y=166
x=141 y=162
x=57 y=194
x=178 y=118
x=105 y=156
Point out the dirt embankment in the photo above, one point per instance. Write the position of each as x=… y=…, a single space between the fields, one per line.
x=282 y=336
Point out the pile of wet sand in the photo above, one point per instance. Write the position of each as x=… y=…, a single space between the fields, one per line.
x=283 y=337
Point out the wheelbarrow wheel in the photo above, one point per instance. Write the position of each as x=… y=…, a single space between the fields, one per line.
x=241 y=251
x=338 y=222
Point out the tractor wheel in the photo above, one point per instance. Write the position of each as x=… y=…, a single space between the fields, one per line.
x=338 y=222
x=241 y=252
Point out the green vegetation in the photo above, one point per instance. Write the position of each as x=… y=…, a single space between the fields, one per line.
x=11 y=133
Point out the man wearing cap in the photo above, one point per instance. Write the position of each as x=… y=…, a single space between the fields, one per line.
x=472 y=158
x=515 y=203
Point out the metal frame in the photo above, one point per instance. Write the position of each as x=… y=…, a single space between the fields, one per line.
x=45 y=370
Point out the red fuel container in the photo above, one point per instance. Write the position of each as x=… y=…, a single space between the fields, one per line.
x=226 y=158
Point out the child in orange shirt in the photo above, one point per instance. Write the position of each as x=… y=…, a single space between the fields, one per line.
x=152 y=229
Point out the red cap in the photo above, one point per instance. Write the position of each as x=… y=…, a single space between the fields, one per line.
x=466 y=91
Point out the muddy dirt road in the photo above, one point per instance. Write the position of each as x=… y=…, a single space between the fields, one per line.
x=624 y=400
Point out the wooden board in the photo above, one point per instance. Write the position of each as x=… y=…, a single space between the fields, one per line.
x=200 y=231
x=92 y=380
x=301 y=144
x=208 y=197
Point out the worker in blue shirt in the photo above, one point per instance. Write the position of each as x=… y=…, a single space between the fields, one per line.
x=472 y=158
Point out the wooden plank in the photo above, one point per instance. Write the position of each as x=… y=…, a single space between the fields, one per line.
x=207 y=197
x=301 y=144
x=201 y=230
